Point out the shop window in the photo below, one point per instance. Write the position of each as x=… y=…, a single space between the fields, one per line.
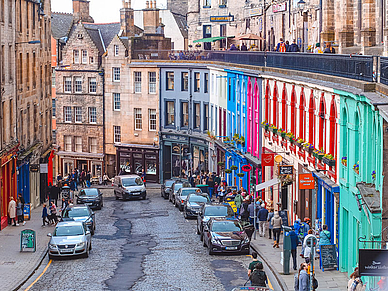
x=185 y=81
x=151 y=168
x=170 y=116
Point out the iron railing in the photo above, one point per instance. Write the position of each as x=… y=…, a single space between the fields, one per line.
x=383 y=69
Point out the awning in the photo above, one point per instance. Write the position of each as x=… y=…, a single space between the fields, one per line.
x=370 y=196
x=78 y=155
x=253 y=160
x=328 y=184
x=267 y=184
x=212 y=39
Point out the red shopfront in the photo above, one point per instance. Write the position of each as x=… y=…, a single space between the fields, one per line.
x=8 y=182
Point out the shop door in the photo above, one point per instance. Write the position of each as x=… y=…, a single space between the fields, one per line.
x=82 y=165
x=166 y=174
x=207 y=32
x=284 y=198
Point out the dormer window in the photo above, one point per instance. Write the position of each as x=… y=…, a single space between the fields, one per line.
x=116 y=49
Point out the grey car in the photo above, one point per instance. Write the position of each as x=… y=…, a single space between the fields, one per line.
x=193 y=204
x=175 y=188
x=70 y=238
x=129 y=186
x=181 y=195
x=81 y=213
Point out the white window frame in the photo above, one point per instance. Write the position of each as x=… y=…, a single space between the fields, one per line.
x=93 y=143
x=78 y=144
x=77 y=85
x=116 y=50
x=152 y=82
x=116 y=101
x=68 y=143
x=92 y=115
x=116 y=74
x=138 y=119
x=152 y=120
x=94 y=86
x=116 y=134
x=137 y=82
x=76 y=56
x=67 y=84
x=78 y=114
x=84 y=56
x=67 y=114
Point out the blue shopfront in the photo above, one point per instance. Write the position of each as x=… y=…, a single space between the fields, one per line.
x=234 y=162
x=23 y=180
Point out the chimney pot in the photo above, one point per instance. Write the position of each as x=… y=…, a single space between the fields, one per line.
x=147 y=4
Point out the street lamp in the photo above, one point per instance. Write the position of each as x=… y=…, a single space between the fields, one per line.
x=301 y=5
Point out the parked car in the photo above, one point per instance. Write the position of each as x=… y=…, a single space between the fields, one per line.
x=81 y=213
x=181 y=195
x=176 y=186
x=129 y=186
x=91 y=197
x=70 y=238
x=213 y=210
x=166 y=188
x=225 y=235
x=193 y=204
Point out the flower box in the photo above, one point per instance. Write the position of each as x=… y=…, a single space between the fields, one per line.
x=273 y=130
x=299 y=144
x=319 y=156
x=309 y=150
x=283 y=134
x=357 y=171
x=265 y=126
x=330 y=163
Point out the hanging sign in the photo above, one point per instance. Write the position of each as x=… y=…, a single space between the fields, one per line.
x=306 y=181
x=226 y=18
x=246 y=168
x=267 y=160
x=373 y=262
x=280 y=7
x=286 y=170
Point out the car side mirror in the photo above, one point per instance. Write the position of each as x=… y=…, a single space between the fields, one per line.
x=205 y=228
x=49 y=235
x=88 y=232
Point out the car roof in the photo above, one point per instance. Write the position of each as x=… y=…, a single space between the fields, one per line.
x=198 y=194
x=69 y=223
x=224 y=219
x=128 y=176
x=77 y=207
x=190 y=188
x=217 y=204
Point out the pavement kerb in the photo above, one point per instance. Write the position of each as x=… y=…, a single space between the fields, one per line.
x=278 y=277
x=33 y=271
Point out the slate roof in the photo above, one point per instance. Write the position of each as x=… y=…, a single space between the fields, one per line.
x=107 y=32
x=182 y=24
x=61 y=24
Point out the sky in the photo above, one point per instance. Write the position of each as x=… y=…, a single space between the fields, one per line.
x=100 y=10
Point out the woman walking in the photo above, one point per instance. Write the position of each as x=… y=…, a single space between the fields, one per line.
x=355 y=282
x=12 y=211
x=276 y=222
x=19 y=211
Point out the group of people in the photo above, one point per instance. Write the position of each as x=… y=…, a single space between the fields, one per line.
x=294 y=48
x=16 y=211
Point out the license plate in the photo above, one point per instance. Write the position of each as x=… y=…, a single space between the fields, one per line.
x=231 y=248
x=137 y=193
x=88 y=204
x=66 y=251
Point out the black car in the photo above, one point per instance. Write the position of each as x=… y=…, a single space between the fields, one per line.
x=225 y=235
x=193 y=204
x=91 y=197
x=175 y=187
x=81 y=213
x=210 y=211
x=166 y=188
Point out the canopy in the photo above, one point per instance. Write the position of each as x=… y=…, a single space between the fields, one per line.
x=249 y=36
x=212 y=39
x=267 y=184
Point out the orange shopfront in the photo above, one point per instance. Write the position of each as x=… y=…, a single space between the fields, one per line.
x=8 y=182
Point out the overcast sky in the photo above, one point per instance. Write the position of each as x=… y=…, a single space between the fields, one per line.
x=101 y=10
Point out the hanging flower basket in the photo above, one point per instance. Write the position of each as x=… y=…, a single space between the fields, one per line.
x=356 y=168
x=233 y=168
x=221 y=164
x=290 y=136
x=344 y=161
x=308 y=147
x=265 y=125
x=240 y=175
x=374 y=175
x=282 y=133
x=228 y=171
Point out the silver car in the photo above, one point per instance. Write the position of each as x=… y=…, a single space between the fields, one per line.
x=129 y=186
x=70 y=238
x=181 y=195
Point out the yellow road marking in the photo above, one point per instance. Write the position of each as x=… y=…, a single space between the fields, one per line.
x=37 y=279
x=269 y=284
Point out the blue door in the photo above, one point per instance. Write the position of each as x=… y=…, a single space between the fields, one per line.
x=23 y=180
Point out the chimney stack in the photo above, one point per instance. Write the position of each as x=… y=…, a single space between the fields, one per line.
x=81 y=11
x=127 y=19
x=151 y=18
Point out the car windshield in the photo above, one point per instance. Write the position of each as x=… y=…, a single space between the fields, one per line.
x=186 y=192
x=89 y=192
x=69 y=230
x=218 y=211
x=197 y=198
x=127 y=182
x=177 y=187
x=77 y=212
x=169 y=183
x=226 y=226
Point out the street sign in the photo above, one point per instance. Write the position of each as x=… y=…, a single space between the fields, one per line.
x=246 y=168
x=286 y=170
x=373 y=262
x=222 y=18
x=306 y=181
x=28 y=239
x=267 y=160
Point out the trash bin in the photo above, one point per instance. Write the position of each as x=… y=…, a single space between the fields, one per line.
x=286 y=249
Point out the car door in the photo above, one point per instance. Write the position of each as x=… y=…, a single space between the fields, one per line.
x=200 y=218
x=207 y=233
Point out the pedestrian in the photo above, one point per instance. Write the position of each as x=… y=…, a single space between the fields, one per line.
x=270 y=226
x=88 y=178
x=294 y=48
x=143 y=176
x=72 y=188
x=253 y=264
x=53 y=213
x=317 y=49
x=329 y=49
x=276 y=222
x=20 y=196
x=306 y=248
x=258 y=276
x=294 y=245
x=221 y=192
x=324 y=236
x=281 y=47
x=45 y=215
x=12 y=211
x=287 y=46
x=48 y=193
x=244 y=212
x=251 y=210
x=355 y=283
x=233 y=47
x=210 y=183
x=244 y=47
x=262 y=216
x=54 y=194
x=19 y=211
x=82 y=179
x=304 y=279
x=238 y=200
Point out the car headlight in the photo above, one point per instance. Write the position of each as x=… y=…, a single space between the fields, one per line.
x=215 y=240
x=246 y=240
x=52 y=246
x=80 y=245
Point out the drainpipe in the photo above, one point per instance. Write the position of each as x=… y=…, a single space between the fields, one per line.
x=190 y=130
x=102 y=74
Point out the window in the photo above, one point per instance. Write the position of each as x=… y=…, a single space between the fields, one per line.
x=67 y=113
x=93 y=145
x=170 y=116
x=92 y=85
x=207 y=3
x=78 y=84
x=84 y=56
x=170 y=80
x=78 y=144
x=54 y=106
x=91 y=60
x=197 y=82
x=67 y=85
x=206 y=117
x=138 y=119
x=116 y=102
x=53 y=78
x=185 y=114
x=117 y=133
x=152 y=82
x=152 y=119
x=92 y=115
x=68 y=143
x=223 y=3
x=206 y=89
x=185 y=81
x=137 y=79
x=197 y=114
x=54 y=135
x=76 y=56
x=78 y=114
x=116 y=48
x=116 y=74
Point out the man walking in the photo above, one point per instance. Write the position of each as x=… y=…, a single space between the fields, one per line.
x=12 y=211
x=20 y=197
x=294 y=245
x=262 y=215
x=253 y=264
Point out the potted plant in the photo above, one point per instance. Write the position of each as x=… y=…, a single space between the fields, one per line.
x=290 y=136
x=299 y=142
x=282 y=133
x=356 y=168
x=273 y=128
x=373 y=175
x=198 y=45
x=221 y=164
x=308 y=147
x=233 y=168
x=344 y=161
x=240 y=175
x=241 y=140
x=235 y=137
x=319 y=154
x=265 y=125
x=226 y=139
x=329 y=160
x=228 y=171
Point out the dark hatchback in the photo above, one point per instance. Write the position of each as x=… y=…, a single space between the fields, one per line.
x=166 y=188
x=213 y=210
x=175 y=188
x=91 y=197
x=193 y=204
x=225 y=235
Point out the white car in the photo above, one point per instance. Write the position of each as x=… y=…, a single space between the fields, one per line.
x=129 y=186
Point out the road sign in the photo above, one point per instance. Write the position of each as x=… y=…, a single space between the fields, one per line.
x=246 y=168
x=306 y=181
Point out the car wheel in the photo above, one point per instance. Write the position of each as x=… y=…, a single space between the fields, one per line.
x=144 y=197
x=90 y=246
x=210 y=249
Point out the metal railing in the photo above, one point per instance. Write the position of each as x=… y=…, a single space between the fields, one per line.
x=383 y=69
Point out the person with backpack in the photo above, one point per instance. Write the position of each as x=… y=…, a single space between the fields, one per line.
x=355 y=283
x=252 y=265
x=276 y=222
x=281 y=47
x=258 y=276
x=244 y=211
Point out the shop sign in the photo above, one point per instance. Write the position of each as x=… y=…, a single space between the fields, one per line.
x=224 y=18
x=34 y=168
x=175 y=137
x=44 y=168
x=280 y=7
x=286 y=170
x=306 y=181
x=373 y=262
x=267 y=160
x=246 y=168
x=256 y=11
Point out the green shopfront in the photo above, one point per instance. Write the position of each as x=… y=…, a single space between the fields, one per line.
x=361 y=179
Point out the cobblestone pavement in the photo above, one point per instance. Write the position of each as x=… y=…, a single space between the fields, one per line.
x=143 y=245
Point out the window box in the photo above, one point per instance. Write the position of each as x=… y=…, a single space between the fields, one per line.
x=330 y=163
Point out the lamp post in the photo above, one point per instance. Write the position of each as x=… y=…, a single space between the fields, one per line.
x=301 y=6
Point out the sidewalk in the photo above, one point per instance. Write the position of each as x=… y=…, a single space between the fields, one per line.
x=15 y=266
x=328 y=281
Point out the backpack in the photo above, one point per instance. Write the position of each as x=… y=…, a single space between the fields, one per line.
x=282 y=47
x=315 y=283
x=258 y=278
x=245 y=214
